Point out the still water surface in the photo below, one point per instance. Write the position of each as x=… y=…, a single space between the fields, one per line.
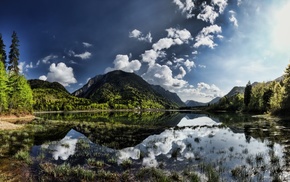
x=236 y=146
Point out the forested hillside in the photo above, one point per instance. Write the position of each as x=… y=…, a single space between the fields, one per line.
x=267 y=97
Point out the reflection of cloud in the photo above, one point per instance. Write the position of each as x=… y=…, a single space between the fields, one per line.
x=65 y=148
x=182 y=144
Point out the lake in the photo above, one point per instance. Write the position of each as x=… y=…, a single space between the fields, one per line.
x=148 y=146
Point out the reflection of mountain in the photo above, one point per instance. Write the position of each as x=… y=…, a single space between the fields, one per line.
x=197 y=121
x=195 y=115
x=69 y=145
x=117 y=136
x=50 y=134
x=146 y=118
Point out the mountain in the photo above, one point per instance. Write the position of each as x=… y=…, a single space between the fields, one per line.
x=173 y=97
x=120 y=89
x=49 y=96
x=192 y=103
x=35 y=83
x=236 y=90
x=215 y=100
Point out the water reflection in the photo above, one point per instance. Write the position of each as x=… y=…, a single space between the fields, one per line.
x=197 y=120
x=197 y=139
x=65 y=147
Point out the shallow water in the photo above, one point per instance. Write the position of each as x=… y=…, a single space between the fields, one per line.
x=237 y=147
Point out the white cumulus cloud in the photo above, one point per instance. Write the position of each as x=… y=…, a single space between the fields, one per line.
x=221 y=4
x=122 y=63
x=162 y=75
x=47 y=59
x=206 y=35
x=189 y=64
x=179 y=35
x=60 y=73
x=174 y=37
x=163 y=43
x=186 y=7
x=85 y=55
x=208 y=14
x=87 y=44
x=202 y=93
x=137 y=34
x=233 y=18
x=150 y=56
x=182 y=73
x=43 y=77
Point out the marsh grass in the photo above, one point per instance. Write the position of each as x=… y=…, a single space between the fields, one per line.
x=24 y=156
x=67 y=172
x=152 y=174
x=126 y=164
x=210 y=172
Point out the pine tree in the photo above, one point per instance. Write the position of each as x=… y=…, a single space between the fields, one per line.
x=14 y=55
x=3 y=52
x=22 y=97
x=276 y=99
x=3 y=87
x=247 y=94
x=286 y=94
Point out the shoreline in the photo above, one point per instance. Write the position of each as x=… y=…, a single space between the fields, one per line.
x=8 y=122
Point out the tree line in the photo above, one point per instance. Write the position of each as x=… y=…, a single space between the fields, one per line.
x=267 y=97
x=15 y=93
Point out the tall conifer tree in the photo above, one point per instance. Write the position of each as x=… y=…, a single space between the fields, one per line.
x=3 y=87
x=247 y=94
x=14 y=54
x=3 y=52
x=286 y=94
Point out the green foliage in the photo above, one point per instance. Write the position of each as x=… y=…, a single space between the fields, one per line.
x=15 y=93
x=247 y=94
x=276 y=99
x=14 y=55
x=286 y=93
x=234 y=103
x=3 y=88
x=121 y=90
x=260 y=97
x=2 y=52
x=35 y=83
x=21 y=98
x=48 y=99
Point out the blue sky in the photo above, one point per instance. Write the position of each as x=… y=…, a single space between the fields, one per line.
x=198 y=49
